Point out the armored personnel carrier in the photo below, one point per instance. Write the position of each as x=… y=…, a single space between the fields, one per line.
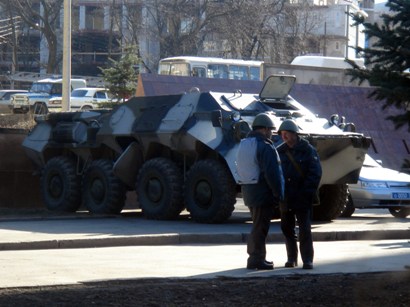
x=178 y=152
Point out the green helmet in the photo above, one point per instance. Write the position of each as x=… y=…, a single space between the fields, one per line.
x=263 y=120
x=289 y=125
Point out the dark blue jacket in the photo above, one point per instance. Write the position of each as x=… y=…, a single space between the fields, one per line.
x=270 y=186
x=300 y=190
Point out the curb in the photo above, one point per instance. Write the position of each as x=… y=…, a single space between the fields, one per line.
x=362 y=235
x=204 y=238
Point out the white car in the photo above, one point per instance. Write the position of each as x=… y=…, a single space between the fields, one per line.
x=85 y=98
x=380 y=187
x=5 y=102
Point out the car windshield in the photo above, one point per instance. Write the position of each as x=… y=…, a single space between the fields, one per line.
x=79 y=93
x=49 y=88
x=41 y=87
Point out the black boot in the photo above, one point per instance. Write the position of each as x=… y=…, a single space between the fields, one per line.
x=292 y=251
x=259 y=264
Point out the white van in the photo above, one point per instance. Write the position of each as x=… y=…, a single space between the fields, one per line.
x=36 y=100
x=324 y=61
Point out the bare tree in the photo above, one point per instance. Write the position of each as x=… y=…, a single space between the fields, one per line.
x=42 y=15
x=181 y=26
x=132 y=18
x=248 y=29
x=244 y=28
x=9 y=27
x=301 y=22
x=274 y=31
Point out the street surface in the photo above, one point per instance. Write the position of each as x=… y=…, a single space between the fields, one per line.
x=76 y=248
x=70 y=266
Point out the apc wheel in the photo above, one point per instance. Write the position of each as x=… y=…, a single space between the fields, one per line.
x=349 y=209
x=102 y=191
x=333 y=200
x=60 y=186
x=210 y=193
x=400 y=212
x=159 y=189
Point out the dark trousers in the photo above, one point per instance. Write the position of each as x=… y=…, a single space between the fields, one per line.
x=261 y=217
x=288 y=225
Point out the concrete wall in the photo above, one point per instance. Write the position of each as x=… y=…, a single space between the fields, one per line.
x=18 y=187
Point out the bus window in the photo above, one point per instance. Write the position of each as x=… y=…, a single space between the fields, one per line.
x=180 y=69
x=199 y=72
x=164 y=68
x=218 y=71
x=209 y=67
x=255 y=73
x=237 y=72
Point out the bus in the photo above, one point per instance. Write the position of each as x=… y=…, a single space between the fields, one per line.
x=208 y=67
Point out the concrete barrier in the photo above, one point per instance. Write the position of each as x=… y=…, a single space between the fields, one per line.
x=19 y=188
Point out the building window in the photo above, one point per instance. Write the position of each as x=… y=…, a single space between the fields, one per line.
x=94 y=18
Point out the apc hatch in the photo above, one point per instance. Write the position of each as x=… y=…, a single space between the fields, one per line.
x=277 y=87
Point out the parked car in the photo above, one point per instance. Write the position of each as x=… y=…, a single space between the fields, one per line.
x=379 y=187
x=41 y=91
x=85 y=98
x=5 y=102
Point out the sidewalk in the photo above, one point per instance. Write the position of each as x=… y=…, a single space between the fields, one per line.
x=131 y=229
x=28 y=268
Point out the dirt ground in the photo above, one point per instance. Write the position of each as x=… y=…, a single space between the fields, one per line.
x=370 y=289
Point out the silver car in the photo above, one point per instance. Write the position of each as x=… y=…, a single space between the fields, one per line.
x=5 y=99
x=380 y=187
x=85 y=98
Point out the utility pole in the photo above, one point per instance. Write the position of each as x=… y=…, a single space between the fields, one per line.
x=65 y=103
x=14 y=59
x=325 y=41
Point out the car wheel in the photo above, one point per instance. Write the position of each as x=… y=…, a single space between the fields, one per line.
x=399 y=212
x=86 y=108
x=349 y=209
x=102 y=191
x=60 y=186
x=210 y=192
x=159 y=189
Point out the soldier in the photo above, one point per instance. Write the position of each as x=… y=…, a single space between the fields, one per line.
x=260 y=172
x=302 y=172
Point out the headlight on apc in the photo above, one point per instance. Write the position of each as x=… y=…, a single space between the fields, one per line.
x=374 y=184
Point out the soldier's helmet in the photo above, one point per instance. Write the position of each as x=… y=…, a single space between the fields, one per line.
x=263 y=120
x=288 y=125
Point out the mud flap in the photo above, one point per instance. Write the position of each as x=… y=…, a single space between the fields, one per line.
x=128 y=164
